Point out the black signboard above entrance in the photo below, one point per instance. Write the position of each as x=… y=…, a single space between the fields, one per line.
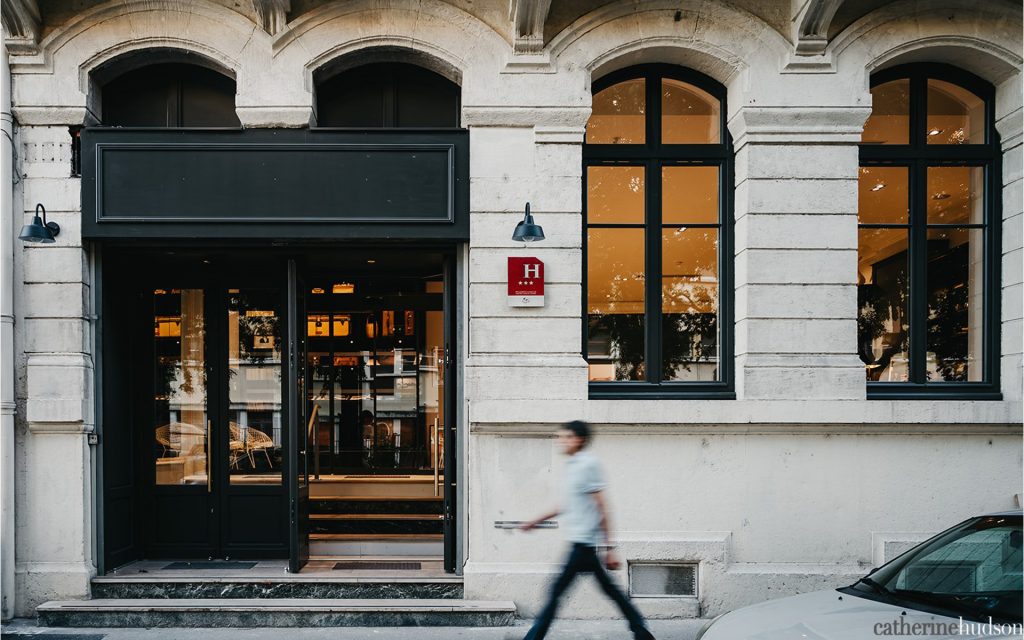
x=275 y=183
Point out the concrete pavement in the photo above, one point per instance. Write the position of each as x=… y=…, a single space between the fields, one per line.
x=24 y=629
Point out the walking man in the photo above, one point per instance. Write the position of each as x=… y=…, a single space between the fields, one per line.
x=585 y=521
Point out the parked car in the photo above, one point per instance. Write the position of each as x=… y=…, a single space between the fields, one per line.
x=968 y=575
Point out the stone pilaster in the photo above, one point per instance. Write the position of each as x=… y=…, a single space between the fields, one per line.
x=520 y=155
x=1010 y=124
x=796 y=252
x=54 y=487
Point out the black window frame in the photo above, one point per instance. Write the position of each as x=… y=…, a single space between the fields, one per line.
x=653 y=155
x=918 y=156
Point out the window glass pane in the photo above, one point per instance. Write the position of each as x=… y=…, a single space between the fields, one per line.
x=956 y=277
x=955 y=115
x=618 y=114
x=883 y=322
x=956 y=195
x=180 y=433
x=688 y=115
x=689 y=195
x=615 y=304
x=882 y=195
x=689 y=304
x=889 y=122
x=982 y=568
x=615 y=195
x=254 y=387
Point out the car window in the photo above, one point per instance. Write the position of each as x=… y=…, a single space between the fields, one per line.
x=980 y=562
x=975 y=569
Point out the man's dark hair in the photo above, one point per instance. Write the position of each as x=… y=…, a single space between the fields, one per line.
x=579 y=428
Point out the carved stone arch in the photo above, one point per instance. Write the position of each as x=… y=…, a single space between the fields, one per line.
x=937 y=37
x=47 y=90
x=129 y=56
x=716 y=39
x=349 y=55
x=429 y=33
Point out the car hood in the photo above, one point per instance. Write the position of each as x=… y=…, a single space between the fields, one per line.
x=824 y=615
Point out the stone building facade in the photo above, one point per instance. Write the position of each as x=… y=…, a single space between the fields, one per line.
x=794 y=474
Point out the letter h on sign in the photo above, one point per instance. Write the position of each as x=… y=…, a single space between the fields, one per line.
x=525 y=282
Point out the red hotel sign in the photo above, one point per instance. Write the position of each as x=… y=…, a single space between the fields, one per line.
x=525 y=282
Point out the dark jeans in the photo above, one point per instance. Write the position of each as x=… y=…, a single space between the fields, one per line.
x=583 y=559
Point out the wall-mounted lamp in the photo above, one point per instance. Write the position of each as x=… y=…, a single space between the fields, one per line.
x=40 y=230
x=527 y=231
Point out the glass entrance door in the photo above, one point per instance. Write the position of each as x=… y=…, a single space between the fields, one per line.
x=375 y=359
x=216 y=429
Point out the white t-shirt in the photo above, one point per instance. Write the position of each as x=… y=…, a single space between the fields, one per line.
x=581 y=520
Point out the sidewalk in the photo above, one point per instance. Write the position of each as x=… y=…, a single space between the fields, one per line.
x=562 y=630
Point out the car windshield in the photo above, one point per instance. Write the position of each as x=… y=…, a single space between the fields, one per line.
x=972 y=570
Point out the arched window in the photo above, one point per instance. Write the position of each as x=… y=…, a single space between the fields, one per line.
x=929 y=195
x=386 y=94
x=169 y=94
x=657 y=240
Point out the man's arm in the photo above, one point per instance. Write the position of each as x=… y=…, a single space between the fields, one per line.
x=526 y=526
x=611 y=560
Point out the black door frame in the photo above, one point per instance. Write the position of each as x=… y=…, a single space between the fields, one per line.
x=130 y=271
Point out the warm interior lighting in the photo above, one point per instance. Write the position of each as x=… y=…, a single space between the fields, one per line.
x=371 y=328
x=935 y=132
x=317 y=290
x=343 y=287
x=167 y=327
x=878 y=187
x=341 y=326
x=940 y=196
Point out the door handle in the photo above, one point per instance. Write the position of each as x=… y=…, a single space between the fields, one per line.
x=209 y=466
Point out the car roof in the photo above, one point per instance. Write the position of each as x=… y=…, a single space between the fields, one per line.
x=1015 y=512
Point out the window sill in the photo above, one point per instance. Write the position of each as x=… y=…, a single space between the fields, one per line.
x=644 y=391
x=951 y=391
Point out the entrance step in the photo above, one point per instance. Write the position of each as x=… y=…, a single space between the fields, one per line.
x=355 y=544
x=376 y=523
x=349 y=504
x=379 y=486
x=285 y=612
x=113 y=588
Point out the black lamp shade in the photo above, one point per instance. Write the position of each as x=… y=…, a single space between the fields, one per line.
x=39 y=230
x=527 y=230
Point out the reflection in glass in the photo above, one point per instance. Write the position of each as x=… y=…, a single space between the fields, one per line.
x=615 y=195
x=689 y=304
x=955 y=115
x=883 y=323
x=956 y=195
x=955 y=308
x=882 y=196
x=689 y=115
x=689 y=194
x=254 y=387
x=615 y=304
x=618 y=114
x=889 y=122
x=377 y=380
x=180 y=430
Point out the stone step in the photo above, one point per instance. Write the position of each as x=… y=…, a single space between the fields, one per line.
x=373 y=523
x=284 y=612
x=371 y=505
x=109 y=588
x=360 y=545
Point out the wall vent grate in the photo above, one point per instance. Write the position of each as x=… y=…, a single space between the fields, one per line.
x=662 y=579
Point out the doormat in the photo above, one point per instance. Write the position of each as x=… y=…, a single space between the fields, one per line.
x=376 y=565
x=211 y=565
